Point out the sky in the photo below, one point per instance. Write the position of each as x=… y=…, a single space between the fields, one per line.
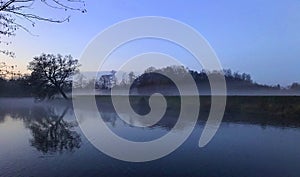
x=259 y=37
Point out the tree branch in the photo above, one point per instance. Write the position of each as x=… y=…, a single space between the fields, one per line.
x=12 y=9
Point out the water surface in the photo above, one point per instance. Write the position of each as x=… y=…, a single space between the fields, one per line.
x=43 y=139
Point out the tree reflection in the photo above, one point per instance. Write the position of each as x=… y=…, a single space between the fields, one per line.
x=52 y=133
x=51 y=129
x=52 y=125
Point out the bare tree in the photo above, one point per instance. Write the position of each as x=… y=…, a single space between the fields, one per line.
x=10 y=10
x=51 y=74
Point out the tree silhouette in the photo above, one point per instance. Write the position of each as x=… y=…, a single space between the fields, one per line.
x=51 y=74
x=295 y=86
x=11 y=10
x=131 y=77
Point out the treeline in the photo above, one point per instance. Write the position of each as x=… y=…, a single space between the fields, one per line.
x=19 y=87
x=51 y=77
x=27 y=86
x=234 y=80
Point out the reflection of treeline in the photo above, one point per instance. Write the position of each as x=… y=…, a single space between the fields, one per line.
x=276 y=111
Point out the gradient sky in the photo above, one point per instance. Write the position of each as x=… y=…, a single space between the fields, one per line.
x=259 y=37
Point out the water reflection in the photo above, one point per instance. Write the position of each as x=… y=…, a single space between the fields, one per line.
x=248 y=143
x=50 y=130
x=240 y=110
x=51 y=133
x=53 y=125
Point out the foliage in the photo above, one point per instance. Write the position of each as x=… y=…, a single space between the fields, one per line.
x=154 y=76
x=15 y=87
x=295 y=86
x=51 y=74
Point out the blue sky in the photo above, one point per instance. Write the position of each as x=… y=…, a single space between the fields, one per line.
x=259 y=37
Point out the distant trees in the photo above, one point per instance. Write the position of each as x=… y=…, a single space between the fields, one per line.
x=236 y=76
x=107 y=81
x=131 y=77
x=153 y=76
x=149 y=78
x=235 y=80
x=2 y=86
x=17 y=87
x=295 y=86
x=9 y=71
x=51 y=74
x=127 y=79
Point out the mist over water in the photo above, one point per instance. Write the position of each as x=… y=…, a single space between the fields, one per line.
x=251 y=138
x=168 y=91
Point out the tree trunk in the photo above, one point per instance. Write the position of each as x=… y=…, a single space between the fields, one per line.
x=62 y=93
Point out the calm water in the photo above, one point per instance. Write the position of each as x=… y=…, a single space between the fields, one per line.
x=44 y=140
